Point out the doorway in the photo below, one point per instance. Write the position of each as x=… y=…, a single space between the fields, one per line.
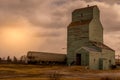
x=78 y=59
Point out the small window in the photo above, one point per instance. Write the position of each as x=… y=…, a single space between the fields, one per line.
x=81 y=15
x=94 y=60
x=110 y=61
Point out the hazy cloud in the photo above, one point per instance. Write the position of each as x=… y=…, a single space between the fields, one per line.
x=106 y=1
x=46 y=21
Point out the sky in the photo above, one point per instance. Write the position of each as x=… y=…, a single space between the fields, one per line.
x=41 y=25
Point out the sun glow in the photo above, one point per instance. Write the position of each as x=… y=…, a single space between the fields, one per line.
x=14 y=37
x=15 y=34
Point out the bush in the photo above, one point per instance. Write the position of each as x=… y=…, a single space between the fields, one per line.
x=55 y=76
x=113 y=66
x=110 y=78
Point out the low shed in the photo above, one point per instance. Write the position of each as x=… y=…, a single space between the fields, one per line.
x=33 y=56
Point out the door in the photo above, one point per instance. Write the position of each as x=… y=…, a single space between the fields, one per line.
x=103 y=64
x=78 y=59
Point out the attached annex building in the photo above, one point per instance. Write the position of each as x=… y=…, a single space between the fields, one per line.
x=85 y=45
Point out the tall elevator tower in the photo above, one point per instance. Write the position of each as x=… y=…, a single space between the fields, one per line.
x=84 y=28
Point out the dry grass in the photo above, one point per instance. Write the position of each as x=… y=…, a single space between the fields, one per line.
x=110 y=78
x=37 y=72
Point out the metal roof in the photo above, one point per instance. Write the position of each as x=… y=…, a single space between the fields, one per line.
x=101 y=45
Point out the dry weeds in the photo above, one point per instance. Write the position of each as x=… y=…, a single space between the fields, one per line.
x=37 y=72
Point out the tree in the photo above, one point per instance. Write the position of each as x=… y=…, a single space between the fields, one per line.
x=9 y=59
x=15 y=60
x=23 y=59
x=0 y=59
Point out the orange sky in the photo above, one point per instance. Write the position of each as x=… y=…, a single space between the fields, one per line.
x=40 y=25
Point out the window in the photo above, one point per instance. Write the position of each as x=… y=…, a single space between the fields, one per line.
x=81 y=15
x=109 y=61
x=94 y=60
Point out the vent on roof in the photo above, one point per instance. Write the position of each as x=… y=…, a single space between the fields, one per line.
x=88 y=5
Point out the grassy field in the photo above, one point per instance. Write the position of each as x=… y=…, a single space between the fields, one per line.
x=38 y=72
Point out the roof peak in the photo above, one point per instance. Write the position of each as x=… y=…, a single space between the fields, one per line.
x=88 y=7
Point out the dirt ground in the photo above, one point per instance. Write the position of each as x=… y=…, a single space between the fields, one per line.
x=38 y=72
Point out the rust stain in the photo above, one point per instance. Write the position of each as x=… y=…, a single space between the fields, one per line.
x=82 y=22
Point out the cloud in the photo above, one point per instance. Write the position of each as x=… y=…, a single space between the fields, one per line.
x=109 y=12
x=109 y=40
x=46 y=22
x=106 y=1
x=48 y=34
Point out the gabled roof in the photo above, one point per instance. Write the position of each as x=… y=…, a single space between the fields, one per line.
x=90 y=49
x=101 y=45
x=95 y=47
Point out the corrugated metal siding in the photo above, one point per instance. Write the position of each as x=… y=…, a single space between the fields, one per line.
x=44 y=56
